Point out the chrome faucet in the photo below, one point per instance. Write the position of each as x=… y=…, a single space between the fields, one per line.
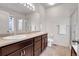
x=75 y=41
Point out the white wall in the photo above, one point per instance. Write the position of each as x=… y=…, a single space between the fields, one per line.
x=52 y=17
x=77 y=23
x=59 y=15
x=74 y=24
x=3 y=22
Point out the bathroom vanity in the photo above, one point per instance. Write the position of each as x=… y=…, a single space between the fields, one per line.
x=32 y=44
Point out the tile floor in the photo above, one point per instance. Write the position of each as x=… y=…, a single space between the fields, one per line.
x=56 y=50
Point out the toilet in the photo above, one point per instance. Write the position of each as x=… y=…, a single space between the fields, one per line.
x=50 y=42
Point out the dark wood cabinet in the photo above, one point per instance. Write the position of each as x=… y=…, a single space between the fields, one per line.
x=37 y=52
x=44 y=41
x=16 y=53
x=37 y=45
x=6 y=50
x=29 y=47
x=28 y=50
x=73 y=53
x=40 y=43
x=13 y=49
x=43 y=44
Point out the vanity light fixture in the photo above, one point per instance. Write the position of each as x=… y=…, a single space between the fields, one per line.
x=29 y=5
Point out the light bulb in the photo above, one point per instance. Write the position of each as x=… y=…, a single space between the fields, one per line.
x=51 y=3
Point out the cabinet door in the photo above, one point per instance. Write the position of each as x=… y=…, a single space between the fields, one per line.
x=37 y=45
x=28 y=50
x=44 y=41
x=37 y=48
x=37 y=52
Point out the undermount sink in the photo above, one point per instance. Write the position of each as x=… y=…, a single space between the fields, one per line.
x=15 y=37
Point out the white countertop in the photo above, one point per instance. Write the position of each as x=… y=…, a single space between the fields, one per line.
x=4 y=42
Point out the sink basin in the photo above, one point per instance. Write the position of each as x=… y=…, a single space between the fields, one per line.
x=15 y=37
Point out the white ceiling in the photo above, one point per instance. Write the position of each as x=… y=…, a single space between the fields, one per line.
x=61 y=11
x=46 y=5
x=17 y=7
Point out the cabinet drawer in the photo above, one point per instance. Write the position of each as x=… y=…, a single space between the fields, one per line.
x=37 y=38
x=26 y=51
x=9 y=49
x=37 y=45
x=26 y=42
x=17 y=53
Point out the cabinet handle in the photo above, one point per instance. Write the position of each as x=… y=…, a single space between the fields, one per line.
x=24 y=52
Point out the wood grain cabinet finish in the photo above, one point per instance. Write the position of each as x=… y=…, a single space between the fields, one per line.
x=43 y=44
x=37 y=52
x=16 y=53
x=29 y=47
x=37 y=45
x=44 y=41
x=40 y=43
x=27 y=51
x=12 y=48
